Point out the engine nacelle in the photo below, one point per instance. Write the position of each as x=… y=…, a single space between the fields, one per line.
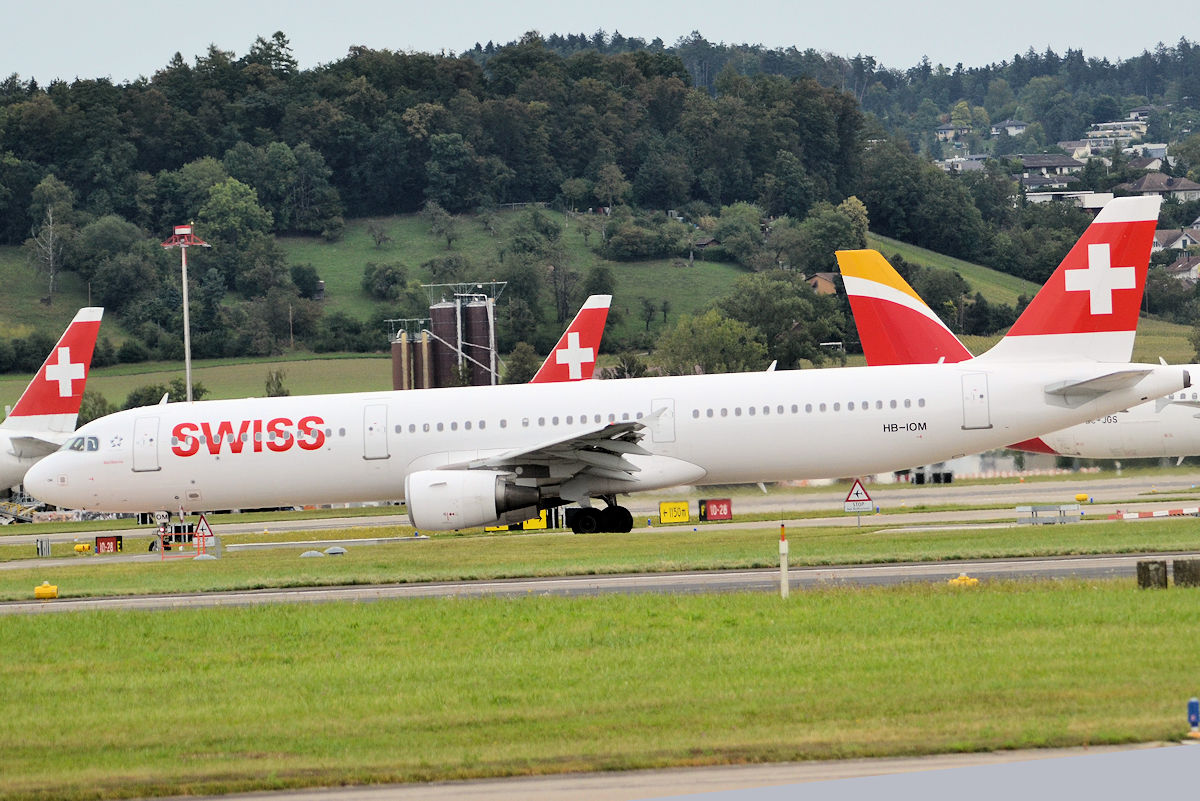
x=443 y=500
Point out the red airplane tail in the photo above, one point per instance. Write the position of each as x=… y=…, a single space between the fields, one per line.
x=894 y=325
x=1088 y=310
x=51 y=401
x=574 y=357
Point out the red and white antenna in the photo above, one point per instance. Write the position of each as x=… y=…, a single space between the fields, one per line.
x=183 y=239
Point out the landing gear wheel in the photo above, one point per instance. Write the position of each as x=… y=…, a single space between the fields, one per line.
x=616 y=519
x=587 y=521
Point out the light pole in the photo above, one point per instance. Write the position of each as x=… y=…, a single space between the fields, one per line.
x=183 y=239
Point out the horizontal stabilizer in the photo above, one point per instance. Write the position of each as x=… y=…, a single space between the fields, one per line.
x=32 y=447
x=1119 y=379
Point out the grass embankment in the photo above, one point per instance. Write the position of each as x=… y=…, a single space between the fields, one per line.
x=118 y=704
x=446 y=558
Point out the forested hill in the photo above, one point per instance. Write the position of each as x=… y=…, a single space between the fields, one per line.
x=763 y=158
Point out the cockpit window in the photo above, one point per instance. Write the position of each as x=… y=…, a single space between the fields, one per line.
x=76 y=444
x=93 y=443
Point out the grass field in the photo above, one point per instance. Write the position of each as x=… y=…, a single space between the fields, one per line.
x=476 y=556
x=121 y=704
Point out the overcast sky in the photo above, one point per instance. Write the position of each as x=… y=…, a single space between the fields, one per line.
x=58 y=39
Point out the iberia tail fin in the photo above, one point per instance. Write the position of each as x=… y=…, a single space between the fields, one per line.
x=51 y=401
x=574 y=357
x=1088 y=310
x=894 y=324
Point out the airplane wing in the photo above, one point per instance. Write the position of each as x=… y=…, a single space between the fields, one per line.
x=599 y=451
x=31 y=447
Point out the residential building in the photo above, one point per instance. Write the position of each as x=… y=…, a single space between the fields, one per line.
x=1011 y=127
x=1157 y=183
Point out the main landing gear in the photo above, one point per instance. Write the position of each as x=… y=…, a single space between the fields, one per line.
x=612 y=518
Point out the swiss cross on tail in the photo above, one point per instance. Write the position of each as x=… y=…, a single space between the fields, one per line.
x=574 y=357
x=1089 y=307
x=57 y=389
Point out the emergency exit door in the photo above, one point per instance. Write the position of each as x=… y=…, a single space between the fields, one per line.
x=375 y=444
x=976 y=404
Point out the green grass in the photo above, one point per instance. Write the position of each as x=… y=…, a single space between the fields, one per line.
x=24 y=313
x=476 y=556
x=996 y=286
x=121 y=704
x=305 y=374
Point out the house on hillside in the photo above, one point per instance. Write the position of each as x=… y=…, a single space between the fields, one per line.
x=823 y=283
x=1153 y=164
x=1186 y=269
x=1175 y=239
x=1140 y=114
x=1046 y=164
x=1011 y=127
x=1157 y=183
x=1104 y=135
x=1079 y=149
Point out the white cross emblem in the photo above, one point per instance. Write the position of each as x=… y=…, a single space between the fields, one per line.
x=1099 y=279
x=574 y=356
x=64 y=372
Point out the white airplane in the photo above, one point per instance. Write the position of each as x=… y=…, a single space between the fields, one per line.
x=470 y=456
x=574 y=357
x=897 y=327
x=45 y=414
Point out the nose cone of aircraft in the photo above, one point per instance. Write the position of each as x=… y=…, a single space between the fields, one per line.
x=44 y=482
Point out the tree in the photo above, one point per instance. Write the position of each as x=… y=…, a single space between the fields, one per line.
x=629 y=365
x=576 y=191
x=46 y=249
x=522 y=364
x=649 y=311
x=790 y=318
x=611 y=185
x=378 y=233
x=274 y=384
x=710 y=343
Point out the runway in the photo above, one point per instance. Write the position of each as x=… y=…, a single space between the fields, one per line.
x=688 y=582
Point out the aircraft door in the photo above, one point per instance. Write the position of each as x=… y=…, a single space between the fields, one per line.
x=976 y=405
x=375 y=445
x=663 y=427
x=145 y=444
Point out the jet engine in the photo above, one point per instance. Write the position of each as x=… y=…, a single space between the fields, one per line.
x=443 y=500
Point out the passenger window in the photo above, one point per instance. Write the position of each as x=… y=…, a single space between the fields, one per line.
x=412 y=428
x=695 y=413
x=724 y=412
x=482 y=425
x=821 y=407
x=399 y=428
x=849 y=406
x=425 y=427
x=837 y=407
x=467 y=425
x=796 y=408
x=541 y=421
x=737 y=411
x=807 y=408
x=708 y=412
x=441 y=427
x=921 y=402
x=554 y=420
x=750 y=410
x=892 y=404
x=454 y=425
x=341 y=432
x=779 y=409
x=907 y=403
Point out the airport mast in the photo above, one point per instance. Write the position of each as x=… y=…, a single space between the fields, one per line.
x=183 y=239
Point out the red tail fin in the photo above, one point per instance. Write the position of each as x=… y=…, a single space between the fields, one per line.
x=51 y=401
x=574 y=357
x=1089 y=307
x=894 y=324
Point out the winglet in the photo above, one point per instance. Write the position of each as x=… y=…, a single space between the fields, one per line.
x=574 y=357
x=894 y=325
x=51 y=401
x=1088 y=310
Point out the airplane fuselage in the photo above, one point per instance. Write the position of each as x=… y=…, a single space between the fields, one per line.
x=744 y=427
